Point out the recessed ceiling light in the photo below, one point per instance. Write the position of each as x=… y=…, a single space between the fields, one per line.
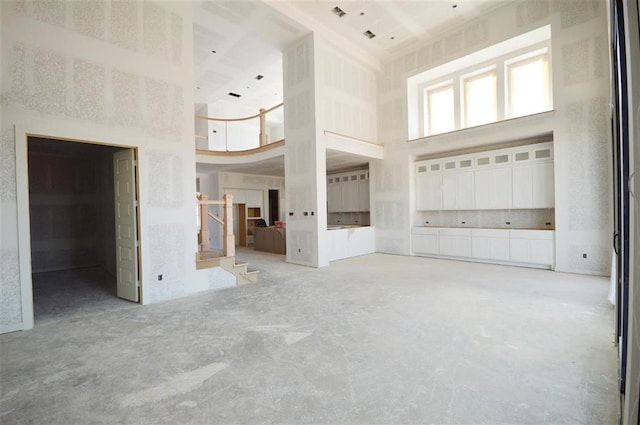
x=259 y=77
x=198 y=87
x=392 y=37
x=213 y=51
x=338 y=12
x=361 y=13
x=234 y=94
x=369 y=34
x=454 y=6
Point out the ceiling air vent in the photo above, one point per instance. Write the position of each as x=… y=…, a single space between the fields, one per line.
x=259 y=77
x=338 y=12
x=234 y=94
x=369 y=34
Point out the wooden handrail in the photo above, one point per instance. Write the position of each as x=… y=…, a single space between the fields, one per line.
x=240 y=119
x=267 y=147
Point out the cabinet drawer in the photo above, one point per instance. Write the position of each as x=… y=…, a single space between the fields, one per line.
x=425 y=231
x=449 y=231
x=531 y=234
x=490 y=233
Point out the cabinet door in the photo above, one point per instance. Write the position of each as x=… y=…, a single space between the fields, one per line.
x=500 y=188
x=425 y=244
x=522 y=189
x=490 y=248
x=455 y=246
x=433 y=192
x=542 y=173
x=334 y=194
x=363 y=195
x=519 y=250
x=421 y=187
x=464 y=191
x=483 y=188
x=449 y=191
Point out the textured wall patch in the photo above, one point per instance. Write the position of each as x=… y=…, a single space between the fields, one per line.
x=154 y=28
x=475 y=34
x=176 y=38
x=126 y=98
x=7 y=165
x=166 y=178
x=49 y=78
x=156 y=105
x=53 y=12
x=89 y=18
x=575 y=61
x=528 y=12
x=89 y=83
x=10 y=297
x=124 y=23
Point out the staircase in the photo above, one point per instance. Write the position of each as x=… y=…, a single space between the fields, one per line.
x=208 y=259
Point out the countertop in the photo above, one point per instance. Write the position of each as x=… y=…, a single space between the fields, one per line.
x=483 y=228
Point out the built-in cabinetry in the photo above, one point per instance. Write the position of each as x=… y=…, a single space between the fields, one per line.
x=348 y=192
x=523 y=247
x=511 y=178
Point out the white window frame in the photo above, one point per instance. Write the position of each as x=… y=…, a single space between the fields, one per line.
x=425 y=116
x=532 y=54
x=498 y=56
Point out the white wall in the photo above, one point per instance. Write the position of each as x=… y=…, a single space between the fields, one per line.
x=118 y=73
x=579 y=124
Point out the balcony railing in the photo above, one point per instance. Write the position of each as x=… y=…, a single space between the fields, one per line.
x=240 y=134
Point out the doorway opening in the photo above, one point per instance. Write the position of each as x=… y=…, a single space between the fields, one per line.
x=83 y=232
x=274 y=206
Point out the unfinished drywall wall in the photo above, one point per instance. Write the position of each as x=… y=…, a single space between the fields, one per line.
x=114 y=72
x=579 y=123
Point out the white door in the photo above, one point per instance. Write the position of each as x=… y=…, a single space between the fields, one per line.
x=126 y=224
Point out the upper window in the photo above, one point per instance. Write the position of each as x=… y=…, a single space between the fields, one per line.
x=528 y=85
x=508 y=80
x=439 y=109
x=480 y=98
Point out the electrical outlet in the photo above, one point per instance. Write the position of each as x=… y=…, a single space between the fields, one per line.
x=159 y=277
x=299 y=250
x=584 y=255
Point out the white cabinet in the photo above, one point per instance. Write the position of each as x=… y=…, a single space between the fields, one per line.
x=522 y=247
x=519 y=178
x=363 y=191
x=492 y=188
x=490 y=244
x=334 y=195
x=348 y=192
x=425 y=241
x=532 y=246
x=542 y=193
x=455 y=242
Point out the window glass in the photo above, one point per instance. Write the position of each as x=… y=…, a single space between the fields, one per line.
x=528 y=86
x=440 y=114
x=480 y=100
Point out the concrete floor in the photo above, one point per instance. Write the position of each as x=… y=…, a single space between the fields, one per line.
x=374 y=339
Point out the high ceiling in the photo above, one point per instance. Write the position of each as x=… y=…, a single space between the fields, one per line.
x=235 y=41
x=248 y=36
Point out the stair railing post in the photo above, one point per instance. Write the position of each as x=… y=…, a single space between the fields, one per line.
x=229 y=240
x=263 y=133
x=204 y=224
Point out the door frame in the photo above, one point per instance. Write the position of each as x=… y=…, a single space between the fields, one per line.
x=21 y=137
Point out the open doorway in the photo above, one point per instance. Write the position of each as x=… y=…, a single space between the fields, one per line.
x=83 y=231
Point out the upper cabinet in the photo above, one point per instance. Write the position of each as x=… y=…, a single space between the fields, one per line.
x=509 y=178
x=348 y=192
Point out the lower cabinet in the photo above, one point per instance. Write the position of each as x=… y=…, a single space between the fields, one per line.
x=524 y=247
x=455 y=242
x=490 y=244
x=425 y=241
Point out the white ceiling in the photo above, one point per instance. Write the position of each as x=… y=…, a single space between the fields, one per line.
x=248 y=38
